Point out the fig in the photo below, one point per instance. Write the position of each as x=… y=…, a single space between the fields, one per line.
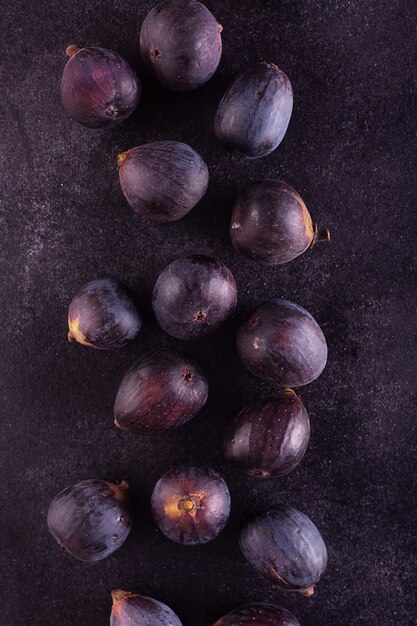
x=282 y=343
x=191 y=505
x=163 y=180
x=258 y=614
x=269 y=438
x=91 y=519
x=163 y=390
x=254 y=113
x=285 y=547
x=193 y=296
x=103 y=315
x=271 y=224
x=98 y=87
x=131 y=609
x=180 y=44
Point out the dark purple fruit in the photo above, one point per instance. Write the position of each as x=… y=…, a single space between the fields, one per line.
x=163 y=180
x=269 y=438
x=180 y=43
x=258 y=614
x=282 y=343
x=255 y=111
x=91 y=519
x=130 y=609
x=285 y=547
x=103 y=315
x=191 y=505
x=271 y=224
x=98 y=87
x=163 y=390
x=193 y=296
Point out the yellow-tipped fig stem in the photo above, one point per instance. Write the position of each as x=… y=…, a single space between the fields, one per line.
x=307 y=593
x=118 y=595
x=220 y=27
x=71 y=50
x=121 y=157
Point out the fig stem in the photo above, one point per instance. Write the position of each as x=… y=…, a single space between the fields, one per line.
x=320 y=234
x=308 y=592
x=118 y=595
x=187 y=503
x=71 y=337
x=220 y=27
x=124 y=485
x=121 y=157
x=71 y=50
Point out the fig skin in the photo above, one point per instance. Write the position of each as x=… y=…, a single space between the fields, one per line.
x=91 y=519
x=285 y=547
x=102 y=315
x=98 y=87
x=271 y=224
x=181 y=44
x=258 y=614
x=282 y=343
x=194 y=296
x=131 y=609
x=191 y=505
x=254 y=113
x=163 y=180
x=269 y=437
x=161 y=391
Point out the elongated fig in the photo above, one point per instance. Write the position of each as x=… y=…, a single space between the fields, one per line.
x=131 y=609
x=193 y=296
x=91 y=519
x=191 y=505
x=285 y=547
x=269 y=438
x=180 y=43
x=282 y=343
x=163 y=180
x=98 y=87
x=255 y=111
x=271 y=224
x=258 y=614
x=103 y=315
x=163 y=390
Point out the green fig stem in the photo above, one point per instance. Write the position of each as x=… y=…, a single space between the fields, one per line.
x=71 y=50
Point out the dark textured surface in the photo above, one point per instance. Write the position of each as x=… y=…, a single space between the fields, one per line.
x=350 y=152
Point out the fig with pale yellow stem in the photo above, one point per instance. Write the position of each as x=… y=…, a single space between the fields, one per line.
x=132 y=609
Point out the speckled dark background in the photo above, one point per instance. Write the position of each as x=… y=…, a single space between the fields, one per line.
x=350 y=151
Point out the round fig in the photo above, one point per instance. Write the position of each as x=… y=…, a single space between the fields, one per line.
x=180 y=44
x=91 y=519
x=255 y=111
x=271 y=224
x=102 y=315
x=163 y=180
x=193 y=296
x=131 y=609
x=269 y=438
x=98 y=87
x=282 y=343
x=163 y=390
x=258 y=614
x=285 y=547
x=191 y=505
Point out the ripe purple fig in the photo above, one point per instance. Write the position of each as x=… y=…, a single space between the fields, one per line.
x=269 y=437
x=163 y=390
x=131 y=609
x=103 y=315
x=271 y=224
x=180 y=44
x=91 y=519
x=282 y=343
x=255 y=111
x=98 y=87
x=194 y=296
x=163 y=180
x=191 y=505
x=285 y=547
x=258 y=614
